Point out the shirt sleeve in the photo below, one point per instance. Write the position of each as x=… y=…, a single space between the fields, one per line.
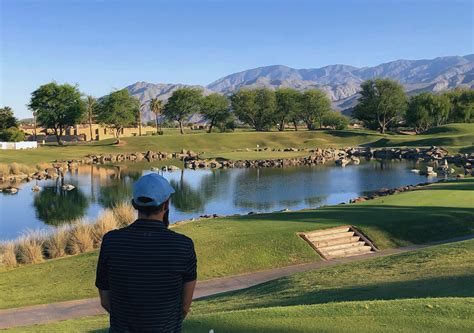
x=102 y=274
x=190 y=273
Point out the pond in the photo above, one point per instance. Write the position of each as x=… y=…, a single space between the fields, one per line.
x=198 y=192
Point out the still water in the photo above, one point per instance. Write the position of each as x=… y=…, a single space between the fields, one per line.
x=222 y=191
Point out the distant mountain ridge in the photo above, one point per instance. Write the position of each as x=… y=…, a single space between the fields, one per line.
x=340 y=82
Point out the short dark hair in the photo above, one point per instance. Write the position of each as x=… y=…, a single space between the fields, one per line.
x=147 y=210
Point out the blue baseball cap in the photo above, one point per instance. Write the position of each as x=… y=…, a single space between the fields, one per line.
x=151 y=190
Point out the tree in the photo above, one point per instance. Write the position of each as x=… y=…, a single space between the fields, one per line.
x=462 y=101
x=156 y=106
x=215 y=108
x=315 y=105
x=335 y=120
x=139 y=117
x=426 y=110
x=12 y=134
x=57 y=106
x=181 y=104
x=91 y=105
x=7 y=119
x=382 y=103
x=255 y=107
x=288 y=108
x=417 y=115
x=118 y=110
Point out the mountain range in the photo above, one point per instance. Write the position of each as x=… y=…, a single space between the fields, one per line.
x=340 y=82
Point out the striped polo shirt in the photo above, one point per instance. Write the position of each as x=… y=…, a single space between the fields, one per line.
x=144 y=266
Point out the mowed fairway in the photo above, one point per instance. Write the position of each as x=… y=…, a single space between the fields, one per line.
x=236 y=245
x=429 y=290
x=455 y=137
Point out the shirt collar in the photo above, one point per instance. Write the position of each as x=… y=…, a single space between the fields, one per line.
x=149 y=223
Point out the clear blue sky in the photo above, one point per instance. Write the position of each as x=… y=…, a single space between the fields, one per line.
x=102 y=45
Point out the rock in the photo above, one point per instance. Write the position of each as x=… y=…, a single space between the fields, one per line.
x=342 y=162
x=415 y=170
x=68 y=187
x=36 y=188
x=11 y=190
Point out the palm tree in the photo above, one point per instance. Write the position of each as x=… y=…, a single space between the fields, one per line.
x=142 y=105
x=156 y=106
x=91 y=104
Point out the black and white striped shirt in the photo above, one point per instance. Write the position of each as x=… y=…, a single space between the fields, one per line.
x=145 y=266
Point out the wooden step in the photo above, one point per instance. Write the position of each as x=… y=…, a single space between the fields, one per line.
x=331 y=236
x=341 y=246
x=336 y=241
x=328 y=231
x=345 y=252
x=339 y=242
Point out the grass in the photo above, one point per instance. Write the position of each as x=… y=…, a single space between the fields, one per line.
x=429 y=290
x=236 y=245
x=456 y=137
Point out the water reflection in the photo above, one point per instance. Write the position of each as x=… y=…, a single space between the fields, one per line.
x=55 y=205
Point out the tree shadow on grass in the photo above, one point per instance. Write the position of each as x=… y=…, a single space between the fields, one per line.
x=278 y=293
x=400 y=224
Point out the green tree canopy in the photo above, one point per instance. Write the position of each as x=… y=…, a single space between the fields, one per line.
x=462 y=101
x=182 y=103
x=57 y=106
x=315 y=105
x=12 y=134
x=7 y=119
x=255 y=107
x=335 y=120
x=215 y=108
x=289 y=106
x=382 y=103
x=118 y=110
x=417 y=115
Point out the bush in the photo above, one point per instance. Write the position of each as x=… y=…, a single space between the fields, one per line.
x=124 y=214
x=9 y=255
x=81 y=239
x=30 y=248
x=335 y=120
x=12 y=134
x=4 y=169
x=105 y=223
x=56 y=243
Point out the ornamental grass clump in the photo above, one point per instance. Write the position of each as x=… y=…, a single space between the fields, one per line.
x=30 y=248
x=9 y=255
x=105 y=223
x=124 y=214
x=15 y=169
x=82 y=239
x=56 y=242
x=4 y=170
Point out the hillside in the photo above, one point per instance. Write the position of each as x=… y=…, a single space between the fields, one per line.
x=340 y=82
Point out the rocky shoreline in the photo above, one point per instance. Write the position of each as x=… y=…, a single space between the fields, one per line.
x=316 y=156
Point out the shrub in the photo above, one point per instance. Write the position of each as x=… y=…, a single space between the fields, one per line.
x=9 y=255
x=56 y=242
x=30 y=248
x=4 y=169
x=105 y=222
x=81 y=239
x=42 y=166
x=335 y=120
x=15 y=169
x=124 y=214
x=12 y=134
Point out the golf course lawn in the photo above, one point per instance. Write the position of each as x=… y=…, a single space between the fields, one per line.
x=428 y=290
x=236 y=245
x=455 y=137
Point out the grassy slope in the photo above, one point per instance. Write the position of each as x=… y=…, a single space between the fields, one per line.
x=457 y=137
x=428 y=290
x=232 y=246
